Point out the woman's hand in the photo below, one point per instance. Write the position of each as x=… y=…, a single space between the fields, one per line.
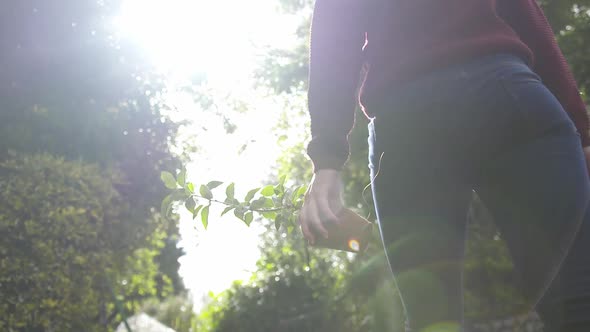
x=587 y=154
x=322 y=204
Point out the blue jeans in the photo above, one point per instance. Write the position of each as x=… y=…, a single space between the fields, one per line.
x=491 y=126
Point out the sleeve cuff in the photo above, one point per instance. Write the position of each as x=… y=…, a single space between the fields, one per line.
x=328 y=152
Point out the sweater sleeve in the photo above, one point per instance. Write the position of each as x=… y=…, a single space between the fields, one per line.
x=337 y=39
x=527 y=19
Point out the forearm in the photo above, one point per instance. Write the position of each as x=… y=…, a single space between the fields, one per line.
x=337 y=38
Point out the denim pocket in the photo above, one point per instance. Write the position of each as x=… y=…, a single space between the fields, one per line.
x=533 y=103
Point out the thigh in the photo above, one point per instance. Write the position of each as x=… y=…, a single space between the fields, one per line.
x=419 y=191
x=566 y=304
x=537 y=189
x=422 y=213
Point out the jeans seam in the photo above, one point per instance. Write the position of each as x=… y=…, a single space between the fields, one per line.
x=526 y=118
x=515 y=100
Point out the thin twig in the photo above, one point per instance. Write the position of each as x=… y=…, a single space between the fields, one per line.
x=255 y=210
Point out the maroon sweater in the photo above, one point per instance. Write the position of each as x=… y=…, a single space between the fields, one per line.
x=417 y=36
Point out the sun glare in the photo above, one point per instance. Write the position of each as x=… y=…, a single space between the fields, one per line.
x=224 y=40
x=189 y=36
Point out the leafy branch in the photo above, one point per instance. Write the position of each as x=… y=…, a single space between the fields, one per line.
x=273 y=202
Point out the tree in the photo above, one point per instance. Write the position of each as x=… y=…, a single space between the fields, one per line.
x=288 y=292
x=64 y=253
x=70 y=88
x=492 y=291
x=175 y=312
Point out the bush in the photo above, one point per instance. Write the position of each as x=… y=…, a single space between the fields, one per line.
x=63 y=239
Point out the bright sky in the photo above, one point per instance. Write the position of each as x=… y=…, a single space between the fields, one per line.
x=220 y=38
x=215 y=36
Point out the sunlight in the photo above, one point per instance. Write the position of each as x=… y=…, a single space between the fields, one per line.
x=224 y=40
x=191 y=36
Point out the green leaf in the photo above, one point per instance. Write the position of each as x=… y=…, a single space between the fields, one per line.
x=248 y=217
x=239 y=213
x=277 y=224
x=190 y=204
x=181 y=179
x=282 y=180
x=179 y=195
x=229 y=192
x=301 y=191
x=268 y=203
x=205 y=216
x=205 y=192
x=214 y=184
x=277 y=201
x=196 y=212
x=257 y=203
x=270 y=215
x=226 y=210
x=166 y=204
x=191 y=187
x=293 y=196
x=251 y=194
x=168 y=180
x=268 y=191
x=298 y=194
x=299 y=204
x=279 y=189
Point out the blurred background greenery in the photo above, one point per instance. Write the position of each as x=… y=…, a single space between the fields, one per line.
x=85 y=130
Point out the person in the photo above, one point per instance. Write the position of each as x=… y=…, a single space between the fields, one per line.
x=462 y=96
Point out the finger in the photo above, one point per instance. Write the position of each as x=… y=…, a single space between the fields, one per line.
x=325 y=210
x=314 y=218
x=336 y=204
x=303 y=220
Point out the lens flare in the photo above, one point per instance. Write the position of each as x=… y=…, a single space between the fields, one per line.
x=354 y=244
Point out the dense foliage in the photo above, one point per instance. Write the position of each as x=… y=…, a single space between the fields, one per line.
x=65 y=244
x=84 y=136
x=364 y=289
x=80 y=116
